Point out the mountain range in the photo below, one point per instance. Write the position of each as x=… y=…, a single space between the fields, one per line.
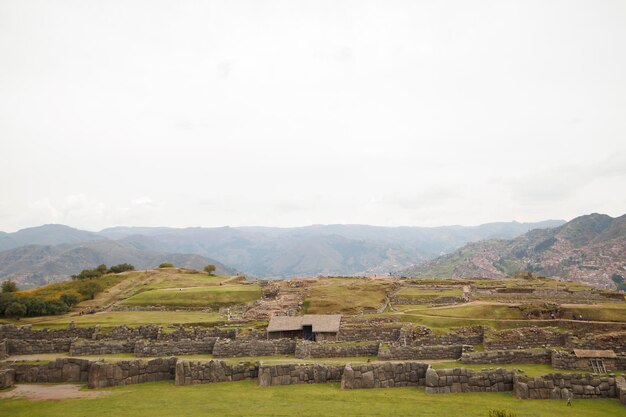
x=49 y=253
x=590 y=248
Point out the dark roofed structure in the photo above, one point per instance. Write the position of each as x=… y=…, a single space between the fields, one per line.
x=309 y=327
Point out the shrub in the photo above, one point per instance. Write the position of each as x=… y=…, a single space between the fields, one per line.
x=9 y=286
x=166 y=265
x=116 y=269
x=69 y=299
x=15 y=310
x=501 y=413
x=89 y=289
x=56 y=307
x=209 y=269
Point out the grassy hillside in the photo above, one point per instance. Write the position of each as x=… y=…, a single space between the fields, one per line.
x=346 y=295
x=214 y=297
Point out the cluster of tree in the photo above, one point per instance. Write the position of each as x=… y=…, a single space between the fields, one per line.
x=103 y=270
x=619 y=280
x=166 y=265
x=209 y=269
x=17 y=305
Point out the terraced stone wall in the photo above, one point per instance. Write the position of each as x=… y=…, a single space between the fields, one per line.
x=7 y=378
x=445 y=381
x=335 y=350
x=399 y=352
x=299 y=374
x=60 y=370
x=384 y=375
x=224 y=348
x=561 y=386
x=539 y=356
x=189 y=373
x=173 y=347
x=525 y=338
x=102 y=375
x=37 y=346
x=84 y=347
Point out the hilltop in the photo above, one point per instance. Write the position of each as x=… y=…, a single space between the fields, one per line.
x=590 y=248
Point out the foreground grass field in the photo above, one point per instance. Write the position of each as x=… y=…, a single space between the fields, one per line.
x=324 y=400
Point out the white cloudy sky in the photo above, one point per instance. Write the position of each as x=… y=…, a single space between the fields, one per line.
x=284 y=113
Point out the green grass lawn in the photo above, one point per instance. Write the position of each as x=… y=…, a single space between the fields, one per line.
x=117 y=318
x=345 y=295
x=214 y=297
x=597 y=312
x=324 y=400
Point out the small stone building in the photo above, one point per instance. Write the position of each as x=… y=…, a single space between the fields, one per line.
x=595 y=360
x=314 y=327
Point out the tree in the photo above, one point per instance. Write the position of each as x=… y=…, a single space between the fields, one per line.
x=166 y=265
x=102 y=268
x=9 y=286
x=116 y=269
x=69 y=299
x=209 y=269
x=89 y=289
x=15 y=310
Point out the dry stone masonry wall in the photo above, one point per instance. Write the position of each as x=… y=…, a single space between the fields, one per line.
x=188 y=373
x=445 y=381
x=102 y=375
x=335 y=350
x=7 y=378
x=60 y=370
x=101 y=347
x=561 y=386
x=174 y=347
x=398 y=352
x=384 y=375
x=225 y=348
x=525 y=338
x=539 y=356
x=298 y=374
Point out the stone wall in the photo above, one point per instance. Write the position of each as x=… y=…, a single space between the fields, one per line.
x=398 y=352
x=445 y=381
x=7 y=378
x=384 y=375
x=9 y=331
x=380 y=333
x=525 y=338
x=567 y=360
x=188 y=373
x=541 y=356
x=174 y=347
x=60 y=370
x=335 y=350
x=101 y=347
x=614 y=341
x=150 y=332
x=620 y=387
x=197 y=333
x=224 y=348
x=102 y=375
x=37 y=346
x=298 y=374
x=4 y=351
x=561 y=386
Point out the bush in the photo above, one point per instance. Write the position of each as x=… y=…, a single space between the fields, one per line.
x=15 y=310
x=166 y=265
x=9 y=286
x=89 y=289
x=116 y=269
x=56 y=307
x=69 y=299
x=501 y=413
x=209 y=269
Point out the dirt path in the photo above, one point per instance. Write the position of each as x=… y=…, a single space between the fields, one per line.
x=51 y=392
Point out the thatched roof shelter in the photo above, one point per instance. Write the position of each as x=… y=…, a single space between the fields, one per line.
x=583 y=353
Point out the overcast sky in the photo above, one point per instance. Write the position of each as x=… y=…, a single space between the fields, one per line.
x=288 y=113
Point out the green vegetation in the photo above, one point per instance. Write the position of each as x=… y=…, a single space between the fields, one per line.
x=102 y=269
x=209 y=269
x=596 y=312
x=215 y=297
x=345 y=295
x=130 y=318
x=166 y=265
x=9 y=286
x=316 y=400
x=428 y=294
